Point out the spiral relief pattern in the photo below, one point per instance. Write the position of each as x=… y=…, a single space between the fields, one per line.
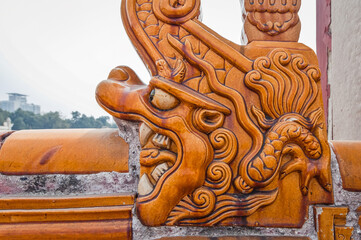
x=219 y=176
x=176 y=11
x=227 y=205
x=225 y=145
x=200 y=204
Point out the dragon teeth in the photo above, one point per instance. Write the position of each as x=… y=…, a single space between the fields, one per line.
x=145 y=186
x=161 y=141
x=159 y=171
x=144 y=133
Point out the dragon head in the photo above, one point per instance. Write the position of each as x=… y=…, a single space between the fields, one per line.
x=175 y=147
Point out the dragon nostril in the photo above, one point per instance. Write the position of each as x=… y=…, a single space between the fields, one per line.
x=118 y=74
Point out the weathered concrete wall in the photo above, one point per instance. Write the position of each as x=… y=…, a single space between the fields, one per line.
x=345 y=70
x=120 y=182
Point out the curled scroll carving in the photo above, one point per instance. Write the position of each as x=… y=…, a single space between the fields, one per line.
x=219 y=176
x=225 y=145
x=200 y=204
x=171 y=11
x=211 y=204
x=227 y=205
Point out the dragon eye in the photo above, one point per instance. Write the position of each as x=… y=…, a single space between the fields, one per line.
x=162 y=100
x=151 y=95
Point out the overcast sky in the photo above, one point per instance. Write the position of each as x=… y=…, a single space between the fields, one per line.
x=58 y=51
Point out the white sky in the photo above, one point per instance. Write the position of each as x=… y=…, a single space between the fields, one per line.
x=58 y=51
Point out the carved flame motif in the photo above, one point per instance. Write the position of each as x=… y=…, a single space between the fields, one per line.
x=220 y=130
x=287 y=88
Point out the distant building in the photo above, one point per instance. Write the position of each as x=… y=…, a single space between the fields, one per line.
x=17 y=101
x=7 y=125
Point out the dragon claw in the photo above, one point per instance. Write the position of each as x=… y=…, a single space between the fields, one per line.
x=307 y=169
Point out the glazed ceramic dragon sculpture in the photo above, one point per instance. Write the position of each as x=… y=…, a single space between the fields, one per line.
x=223 y=125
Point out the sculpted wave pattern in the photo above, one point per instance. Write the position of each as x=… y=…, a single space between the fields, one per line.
x=211 y=203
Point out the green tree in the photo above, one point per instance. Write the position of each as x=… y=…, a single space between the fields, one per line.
x=53 y=120
x=104 y=121
x=3 y=116
x=75 y=115
x=28 y=120
x=19 y=124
